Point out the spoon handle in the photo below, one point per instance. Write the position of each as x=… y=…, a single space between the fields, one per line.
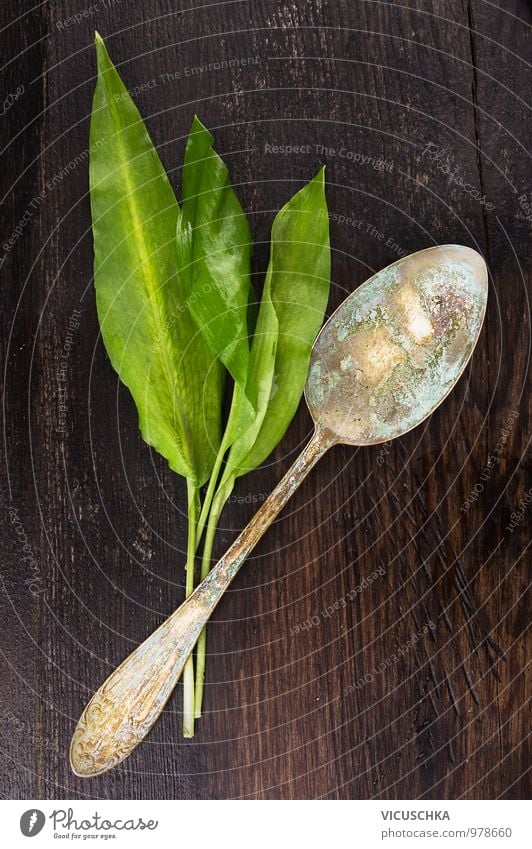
x=129 y=702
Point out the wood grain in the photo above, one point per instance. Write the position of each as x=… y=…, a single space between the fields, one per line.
x=322 y=681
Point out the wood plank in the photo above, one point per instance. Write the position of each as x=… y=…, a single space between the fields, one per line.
x=322 y=681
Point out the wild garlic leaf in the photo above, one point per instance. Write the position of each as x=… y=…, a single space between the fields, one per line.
x=150 y=338
x=214 y=245
x=297 y=287
x=240 y=433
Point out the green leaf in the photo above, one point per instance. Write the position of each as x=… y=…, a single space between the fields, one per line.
x=150 y=337
x=296 y=291
x=240 y=433
x=214 y=245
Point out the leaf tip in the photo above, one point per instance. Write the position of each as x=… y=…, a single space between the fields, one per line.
x=102 y=56
x=99 y=44
x=319 y=182
x=199 y=128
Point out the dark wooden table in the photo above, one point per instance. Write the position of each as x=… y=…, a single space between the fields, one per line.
x=407 y=685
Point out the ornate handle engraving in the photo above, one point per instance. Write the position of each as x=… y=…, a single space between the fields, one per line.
x=123 y=710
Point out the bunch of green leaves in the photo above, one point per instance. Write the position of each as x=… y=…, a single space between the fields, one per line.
x=177 y=311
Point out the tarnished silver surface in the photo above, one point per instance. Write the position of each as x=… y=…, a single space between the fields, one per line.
x=383 y=362
x=125 y=707
x=396 y=347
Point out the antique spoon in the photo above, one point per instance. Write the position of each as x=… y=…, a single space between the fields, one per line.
x=381 y=364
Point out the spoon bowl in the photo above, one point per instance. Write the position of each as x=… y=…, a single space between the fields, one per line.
x=394 y=349
x=382 y=363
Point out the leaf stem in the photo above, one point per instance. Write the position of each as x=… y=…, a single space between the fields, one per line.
x=211 y=490
x=218 y=491
x=222 y=494
x=188 y=672
x=201 y=649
